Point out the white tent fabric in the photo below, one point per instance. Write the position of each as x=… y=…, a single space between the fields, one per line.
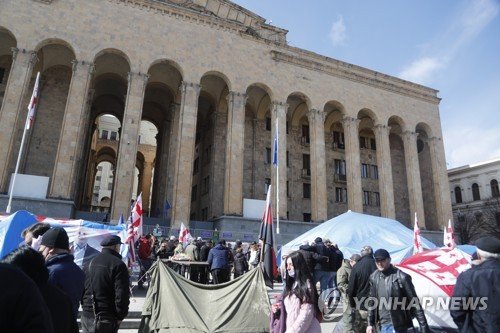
x=351 y=231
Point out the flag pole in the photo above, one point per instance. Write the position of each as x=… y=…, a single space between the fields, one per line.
x=26 y=127
x=277 y=181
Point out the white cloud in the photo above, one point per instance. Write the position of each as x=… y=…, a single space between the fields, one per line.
x=466 y=26
x=338 y=31
x=421 y=70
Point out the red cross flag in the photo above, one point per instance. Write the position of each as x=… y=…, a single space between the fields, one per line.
x=448 y=236
x=33 y=104
x=417 y=243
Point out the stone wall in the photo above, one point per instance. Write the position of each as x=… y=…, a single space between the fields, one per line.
x=401 y=200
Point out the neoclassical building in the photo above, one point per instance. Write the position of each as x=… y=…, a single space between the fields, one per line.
x=215 y=80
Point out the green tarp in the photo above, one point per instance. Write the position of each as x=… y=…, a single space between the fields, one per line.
x=175 y=304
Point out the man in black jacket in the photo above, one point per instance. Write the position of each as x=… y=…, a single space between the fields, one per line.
x=359 y=285
x=397 y=302
x=107 y=280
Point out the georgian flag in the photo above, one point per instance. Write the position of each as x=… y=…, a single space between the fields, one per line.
x=184 y=235
x=448 y=236
x=417 y=243
x=134 y=229
x=33 y=104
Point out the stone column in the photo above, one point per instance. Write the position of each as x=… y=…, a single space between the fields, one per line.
x=385 y=184
x=172 y=149
x=127 y=149
x=218 y=173
x=441 y=184
x=235 y=147
x=161 y=172
x=147 y=173
x=353 y=164
x=318 y=165
x=413 y=177
x=73 y=128
x=12 y=107
x=184 y=153
x=279 y=117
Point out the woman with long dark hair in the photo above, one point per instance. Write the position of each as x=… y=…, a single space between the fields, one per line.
x=300 y=297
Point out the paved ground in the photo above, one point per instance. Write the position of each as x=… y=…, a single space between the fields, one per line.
x=138 y=297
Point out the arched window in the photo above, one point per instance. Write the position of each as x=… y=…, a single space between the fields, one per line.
x=495 y=193
x=458 y=195
x=475 y=192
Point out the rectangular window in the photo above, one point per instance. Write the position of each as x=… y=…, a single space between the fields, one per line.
x=366 y=198
x=362 y=142
x=99 y=168
x=110 y=186
x=267 y=183
x=287 y=127
x=206 y=184
x=268 y=124
x=287 y=158
x=306 y=161
x=267 y=157
x=338 y=140
x=364 y=171
x=306 y=217
x=288 y=189
x=196 y=166
x=2 y=74
x=139 y=140
x=204 y=214
x=374 y=171
x=104 y=134
x=208 y=154
x=340 y=168
x=194 y=193
x=305 y=134
x=306 y=190
x=98 y=178
x=340 y=194
x=114 y=135
x=373 y=144
x=376 y=196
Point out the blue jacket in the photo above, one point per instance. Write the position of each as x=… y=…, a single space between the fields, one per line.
x=67 y=276
x=218 y=257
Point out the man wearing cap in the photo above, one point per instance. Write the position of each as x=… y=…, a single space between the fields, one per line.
x=359 y=285
x=482 y=280
x=342 y=283
x=63 y=272
x=397 y=302
x=107 y=293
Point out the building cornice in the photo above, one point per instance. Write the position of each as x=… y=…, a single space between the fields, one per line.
x=355 y=73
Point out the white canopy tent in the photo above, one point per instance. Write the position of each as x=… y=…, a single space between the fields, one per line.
x=351 y=231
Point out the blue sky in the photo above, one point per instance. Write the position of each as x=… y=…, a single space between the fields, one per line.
x=449 y=45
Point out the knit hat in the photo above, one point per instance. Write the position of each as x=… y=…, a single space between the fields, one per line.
x=56 y=238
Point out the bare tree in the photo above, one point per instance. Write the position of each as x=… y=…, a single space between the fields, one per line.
x=482 y=221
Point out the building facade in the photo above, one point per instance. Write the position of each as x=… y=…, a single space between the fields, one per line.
x=216 y=81
x=475 y=198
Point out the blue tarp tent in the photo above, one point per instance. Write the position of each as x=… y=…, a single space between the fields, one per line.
x=11 y=228
x=351 y=231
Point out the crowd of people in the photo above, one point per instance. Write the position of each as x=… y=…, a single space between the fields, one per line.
x=224 y=259
x=48 y=280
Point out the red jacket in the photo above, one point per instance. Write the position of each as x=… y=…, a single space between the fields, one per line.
x=145 y=248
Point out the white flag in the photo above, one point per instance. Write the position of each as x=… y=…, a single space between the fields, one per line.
x=417 y=243
x=184 y=235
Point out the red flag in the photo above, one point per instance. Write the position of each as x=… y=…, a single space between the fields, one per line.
x=449 y=237
x=417 y=243
x=33 y=103
x=267 y=238
x=134 y=229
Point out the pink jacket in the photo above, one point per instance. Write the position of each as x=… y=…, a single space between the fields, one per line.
x=300 y=318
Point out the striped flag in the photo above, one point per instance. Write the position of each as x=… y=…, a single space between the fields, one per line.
x=417 y=243
x=267 y=238
x=33 y=104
